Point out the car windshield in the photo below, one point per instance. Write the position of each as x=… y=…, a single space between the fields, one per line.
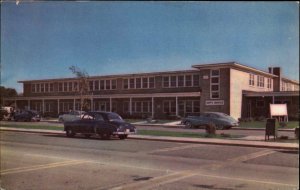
x=113 y=117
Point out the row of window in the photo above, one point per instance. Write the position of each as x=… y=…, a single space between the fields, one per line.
x=181 y=81
x=111 y=84
x=215 y=84
x=285 y=86
x=260 y=81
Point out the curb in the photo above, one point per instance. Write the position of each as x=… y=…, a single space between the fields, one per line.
x=290 y=146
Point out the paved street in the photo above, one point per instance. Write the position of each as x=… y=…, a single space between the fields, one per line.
x=40 y=161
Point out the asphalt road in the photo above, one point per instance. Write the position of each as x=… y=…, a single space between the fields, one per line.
x=39 y=161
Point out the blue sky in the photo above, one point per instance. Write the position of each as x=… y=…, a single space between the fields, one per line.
x=42 y=40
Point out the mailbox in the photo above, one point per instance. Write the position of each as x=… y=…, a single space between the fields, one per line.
x=270 y=129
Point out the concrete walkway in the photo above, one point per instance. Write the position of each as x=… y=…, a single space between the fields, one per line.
x=215 y=141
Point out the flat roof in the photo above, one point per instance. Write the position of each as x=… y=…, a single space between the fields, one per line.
x=233 y=64
x=271 y=93
x=115 y=76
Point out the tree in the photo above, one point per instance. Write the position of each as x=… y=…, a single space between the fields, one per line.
x=82 y=85
x=7 y=92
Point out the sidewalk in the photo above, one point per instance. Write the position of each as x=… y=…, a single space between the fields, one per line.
x=214 y=141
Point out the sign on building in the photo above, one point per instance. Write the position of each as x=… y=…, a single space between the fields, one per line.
x=214 y=102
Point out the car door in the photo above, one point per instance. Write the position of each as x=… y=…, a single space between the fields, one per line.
x=85 y=123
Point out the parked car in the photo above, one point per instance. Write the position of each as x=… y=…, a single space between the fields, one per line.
x=27 y=115
x=104 y=124
x=220 y=120
x=70 y=116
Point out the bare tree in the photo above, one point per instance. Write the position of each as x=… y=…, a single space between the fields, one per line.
x=82 y=87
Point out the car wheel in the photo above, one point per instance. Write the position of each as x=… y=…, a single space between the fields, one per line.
x=122 y=137
x=220 y=127
x=188 y=125
x=70 y=132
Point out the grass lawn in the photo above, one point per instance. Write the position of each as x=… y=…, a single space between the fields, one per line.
x=58 y=128
x=262 y=124
x=183 y=134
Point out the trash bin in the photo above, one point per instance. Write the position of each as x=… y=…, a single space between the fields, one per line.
x=270 y=128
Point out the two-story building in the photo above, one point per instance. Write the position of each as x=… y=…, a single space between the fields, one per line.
x=232 y=88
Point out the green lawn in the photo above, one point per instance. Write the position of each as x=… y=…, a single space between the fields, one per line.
x=262 y=124
x=184 y=134
x=58 y=128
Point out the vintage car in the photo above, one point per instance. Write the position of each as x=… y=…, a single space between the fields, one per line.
x=220 y=120
x=104 y=124
x=27 y=115
x=70 y=116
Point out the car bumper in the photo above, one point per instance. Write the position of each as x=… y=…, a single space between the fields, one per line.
x=126 y=132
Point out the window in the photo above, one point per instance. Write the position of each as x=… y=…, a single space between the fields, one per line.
x=169 y=106
x=114 y=84
x=125 y=83
x=146 y=107
x=102 y=84
x=196 y=106
x=32 y=87
x=51 y=87
x=96 y=83
x=196 y=81
x=251 y=79
x=214 y=87
x=173 y=81
x=91 y=85
x=166 y=81
x=151 y=82
x=60 y=87
x=260 y=81
x=269 y=83
x=75 y=85
x=215 y=73
x=180 y=80
x=145 y=82
x=189 y=106
x=37 y=87
x=132 y=83
x=70 y=87
x=46 y=87
x=188 y=80
x=138 y=83
x=260 y=103
x=215 y=84
x=42 y=87
x=126 y=107
x=107 y=84
x=65 y=86
x=138 y=107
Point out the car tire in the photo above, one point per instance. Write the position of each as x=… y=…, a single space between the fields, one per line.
x=220 y=127
x=70 y=132
x=188 y=125
x=122 y=137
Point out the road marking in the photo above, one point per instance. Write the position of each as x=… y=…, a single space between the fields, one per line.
x=39 y=167
x=247 y=180
x=173 y=148
x=251 y=156
x=157 y=181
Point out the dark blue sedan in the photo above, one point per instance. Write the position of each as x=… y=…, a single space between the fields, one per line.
x=220 y=120
x=104 y=124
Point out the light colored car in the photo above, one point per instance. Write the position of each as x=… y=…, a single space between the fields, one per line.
x=71 y=116
x=221 y=120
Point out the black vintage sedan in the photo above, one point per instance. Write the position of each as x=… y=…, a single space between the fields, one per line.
x=221 y=120
x=104 y=124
